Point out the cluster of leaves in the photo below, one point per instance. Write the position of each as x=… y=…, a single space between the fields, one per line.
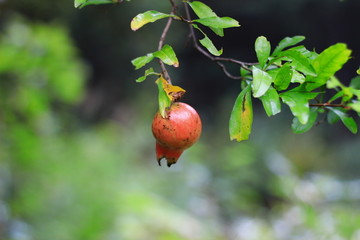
x=206 y=17
x=299 y=78
x=290 y=74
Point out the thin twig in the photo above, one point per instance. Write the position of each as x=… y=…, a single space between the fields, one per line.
x=223 y=67
x=218 y=60
x=329 y=105
x=162 y=40
x=244 y=65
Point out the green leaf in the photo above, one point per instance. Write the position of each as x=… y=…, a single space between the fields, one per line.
x=204 y=11
x=298 y=103
x=208 y=44
x=349 y=93
x=139 y=62
x=336 y=96
x=332 y=118
x=311 y=55
x=261 y=82
x=218 y=22
x=147 y=17
x=141 y=79
x=283 y=77
x=241 y=117
x=349 y=122
x=148 y=72
x=353 y=91
x=83 y=3
x=287 y=42
x=78 y=3
x=167 y=55
x=271 y=102
x=355 y=106
x=298 y=127
x=262 y=49
x=299 y=61
x=333 y=82
x=244 y=72
x=163 y=98
x=355 y=82
x=327 y=64
x=297 y=77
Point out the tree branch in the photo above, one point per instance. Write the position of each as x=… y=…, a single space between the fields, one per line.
x=162 y=40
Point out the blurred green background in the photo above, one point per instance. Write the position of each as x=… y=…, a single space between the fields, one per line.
x=77 y=155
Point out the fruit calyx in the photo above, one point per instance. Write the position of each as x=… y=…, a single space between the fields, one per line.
x=171 y=155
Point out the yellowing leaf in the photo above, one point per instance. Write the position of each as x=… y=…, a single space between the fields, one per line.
x=164 y=100
x=147 y=17
x=173 y=92
x=241 y=118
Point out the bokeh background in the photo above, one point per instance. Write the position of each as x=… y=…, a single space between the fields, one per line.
x=77 y=155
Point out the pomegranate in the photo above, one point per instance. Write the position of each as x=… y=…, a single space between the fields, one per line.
x=175 y=133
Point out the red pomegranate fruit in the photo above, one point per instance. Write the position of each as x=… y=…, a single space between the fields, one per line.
x=175 y=133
